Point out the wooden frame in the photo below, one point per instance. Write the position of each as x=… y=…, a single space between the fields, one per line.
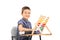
x=38 y=34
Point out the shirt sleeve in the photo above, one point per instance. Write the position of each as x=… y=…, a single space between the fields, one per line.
x=20 y=22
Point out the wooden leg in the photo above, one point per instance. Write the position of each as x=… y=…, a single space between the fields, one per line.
x=12 y=37
x=40 y=37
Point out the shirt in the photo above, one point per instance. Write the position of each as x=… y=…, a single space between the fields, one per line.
x=26 y=24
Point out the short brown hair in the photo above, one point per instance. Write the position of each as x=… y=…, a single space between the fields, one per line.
x=25 y=7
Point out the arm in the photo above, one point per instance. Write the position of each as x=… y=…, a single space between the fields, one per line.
x=21 y=28
x=34 y=29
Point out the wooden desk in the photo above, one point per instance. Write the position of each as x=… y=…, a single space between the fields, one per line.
x=35 y=34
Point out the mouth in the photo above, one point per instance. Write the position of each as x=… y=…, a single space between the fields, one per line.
x=27 y=16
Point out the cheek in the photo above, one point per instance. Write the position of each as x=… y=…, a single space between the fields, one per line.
x=24 y=15
x=28 y=15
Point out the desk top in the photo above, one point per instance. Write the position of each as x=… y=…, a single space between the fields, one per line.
x=35 y=34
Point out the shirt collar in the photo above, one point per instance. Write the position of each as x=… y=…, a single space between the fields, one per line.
x=26 y=20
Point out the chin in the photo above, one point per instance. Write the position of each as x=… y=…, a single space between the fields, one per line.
x=27 y=17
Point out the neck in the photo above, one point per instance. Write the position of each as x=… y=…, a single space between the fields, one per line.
x=25 y=19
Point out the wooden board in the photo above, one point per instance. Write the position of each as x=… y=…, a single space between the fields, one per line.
x=35 y=34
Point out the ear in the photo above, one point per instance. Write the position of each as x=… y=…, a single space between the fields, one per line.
x=21 y=13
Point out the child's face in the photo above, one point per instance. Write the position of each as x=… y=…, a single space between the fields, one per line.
x=26 y=13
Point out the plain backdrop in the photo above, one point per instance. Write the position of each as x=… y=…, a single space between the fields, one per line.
x=10 y=13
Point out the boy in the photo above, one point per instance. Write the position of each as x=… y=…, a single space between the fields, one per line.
x=24 y=24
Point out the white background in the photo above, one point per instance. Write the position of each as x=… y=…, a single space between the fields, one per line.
x=10 y=13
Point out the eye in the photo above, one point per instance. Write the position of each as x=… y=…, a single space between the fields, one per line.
x=28 y=12
x=25 y=12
